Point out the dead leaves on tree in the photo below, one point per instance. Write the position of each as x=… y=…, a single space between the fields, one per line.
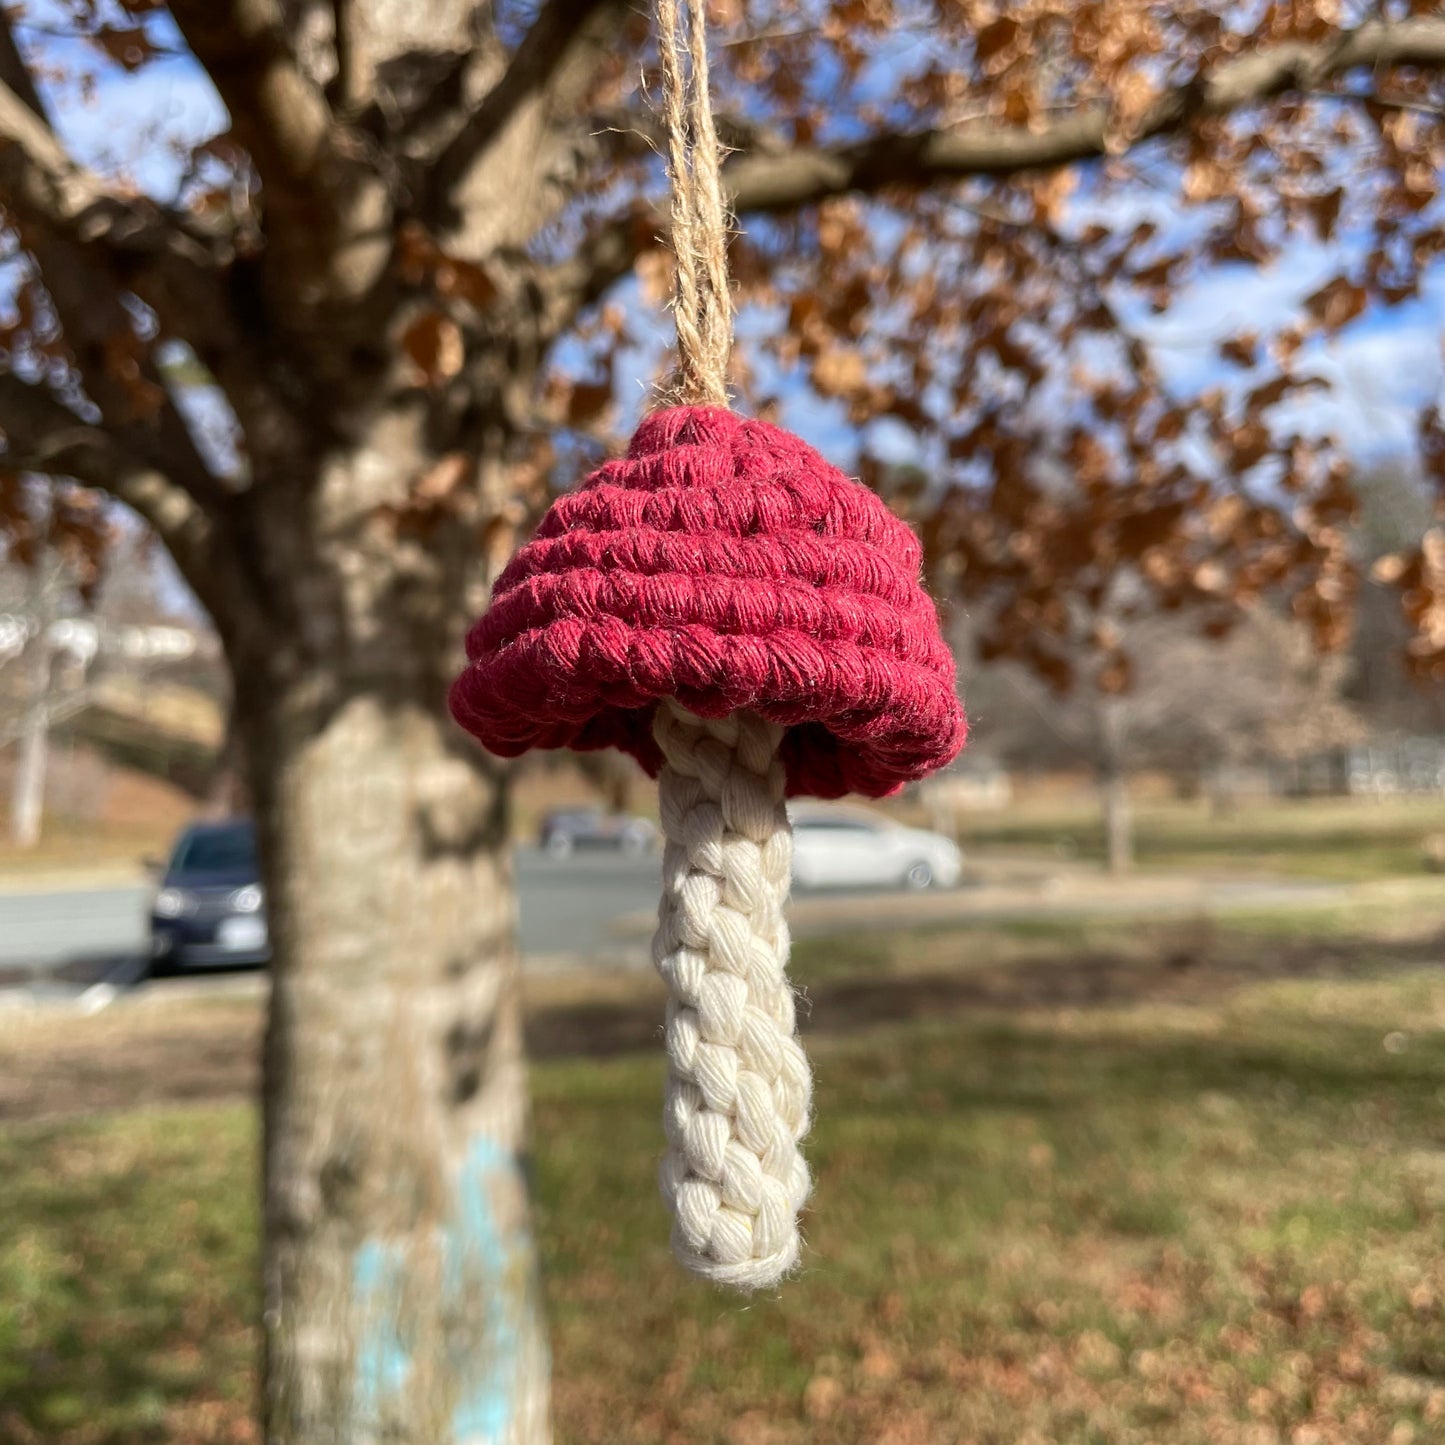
x=997 y=323
x=953 y=312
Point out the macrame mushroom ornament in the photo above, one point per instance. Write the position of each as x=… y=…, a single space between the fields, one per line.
x=747 y=623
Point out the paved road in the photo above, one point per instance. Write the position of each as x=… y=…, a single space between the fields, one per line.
x=601 y=905
x=566 y=907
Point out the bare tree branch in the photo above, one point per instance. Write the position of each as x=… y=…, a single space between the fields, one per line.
x=350 y=82
x=277 y=114
x=85 y=284
x=760 y=184
x=91 y=247
x=150 y=250
x=39 y=179
x=326 y=212
x=44 y=435
x=542 y=53
x=608 y=255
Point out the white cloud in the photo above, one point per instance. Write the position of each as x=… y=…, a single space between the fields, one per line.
x=1382 y=369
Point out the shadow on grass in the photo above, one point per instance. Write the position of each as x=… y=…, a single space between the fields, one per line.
x=193 y=1055
x=129 y=1274
x=1097 y=979
x=128 y=1256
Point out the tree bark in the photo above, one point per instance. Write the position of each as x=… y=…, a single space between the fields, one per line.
x=1118 y=822
x=27 y=806
x=27 y=798
x=401 y=1301
x=1114 y=786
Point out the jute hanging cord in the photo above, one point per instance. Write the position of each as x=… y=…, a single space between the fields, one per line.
x=702 y=303
x=748 y=623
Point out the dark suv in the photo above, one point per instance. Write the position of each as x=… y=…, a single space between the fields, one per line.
x=210 y=908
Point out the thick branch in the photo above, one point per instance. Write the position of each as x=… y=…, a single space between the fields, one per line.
x=40 y=181
x=762 y=184
x=277 y=114
x=542 y=56
x=326 y=212
x=351 y=86
x=778 y=181
x=515 y=163
x=42 y=434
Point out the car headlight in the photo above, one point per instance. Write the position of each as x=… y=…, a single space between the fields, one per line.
x=172 y=903
x=248 y=899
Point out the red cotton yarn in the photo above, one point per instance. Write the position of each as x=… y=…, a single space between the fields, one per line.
x=723 y=563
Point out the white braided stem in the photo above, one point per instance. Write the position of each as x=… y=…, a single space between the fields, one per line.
x=738 y=1086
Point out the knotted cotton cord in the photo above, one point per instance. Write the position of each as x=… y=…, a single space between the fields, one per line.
x=738 y=1086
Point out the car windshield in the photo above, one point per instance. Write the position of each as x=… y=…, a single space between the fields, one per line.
x=836 y=822
x=218 y=850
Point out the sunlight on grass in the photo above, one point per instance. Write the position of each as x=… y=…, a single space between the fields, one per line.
x=1344 y=839
x=1116 y=1226
x=1212 y=1223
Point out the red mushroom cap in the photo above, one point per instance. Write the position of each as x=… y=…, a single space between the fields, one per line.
x=723 y=563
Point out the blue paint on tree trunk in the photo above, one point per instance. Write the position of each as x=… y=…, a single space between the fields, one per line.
x=477 y=1260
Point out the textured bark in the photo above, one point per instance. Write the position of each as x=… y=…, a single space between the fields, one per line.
x=401 y=1299
x=400 y=1284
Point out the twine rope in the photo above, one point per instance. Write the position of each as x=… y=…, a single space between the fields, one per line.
x=738 y=1086
x=702 y=302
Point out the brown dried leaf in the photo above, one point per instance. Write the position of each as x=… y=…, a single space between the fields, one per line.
x=1133 y=96
x=588 y=401
x=433 y=345
x=839 y=371
x=1336 y=303
x=465 y=281
x=129 y=46
x=994 y=42
x=1324 y=211
x=1390 y=570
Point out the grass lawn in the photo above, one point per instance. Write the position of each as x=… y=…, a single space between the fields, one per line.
x=1344 y=839
x=1218 y=1222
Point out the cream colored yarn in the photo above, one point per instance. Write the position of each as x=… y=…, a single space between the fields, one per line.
x=738 y=1086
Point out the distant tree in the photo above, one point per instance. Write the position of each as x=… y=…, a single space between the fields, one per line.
x=29 y=701
x=1395 y=507
x=49 y=569
x=71 y=633
x=400 y=278
x=1195 y=706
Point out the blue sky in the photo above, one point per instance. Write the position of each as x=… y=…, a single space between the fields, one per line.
x=1384 y=366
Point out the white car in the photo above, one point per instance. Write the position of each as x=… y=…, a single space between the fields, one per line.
x=855 y=848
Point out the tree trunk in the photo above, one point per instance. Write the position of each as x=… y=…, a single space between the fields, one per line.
x=226 y=787
x=27 y=802
x=401 y=1296
x=1118 y=822
x=1114 y=785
